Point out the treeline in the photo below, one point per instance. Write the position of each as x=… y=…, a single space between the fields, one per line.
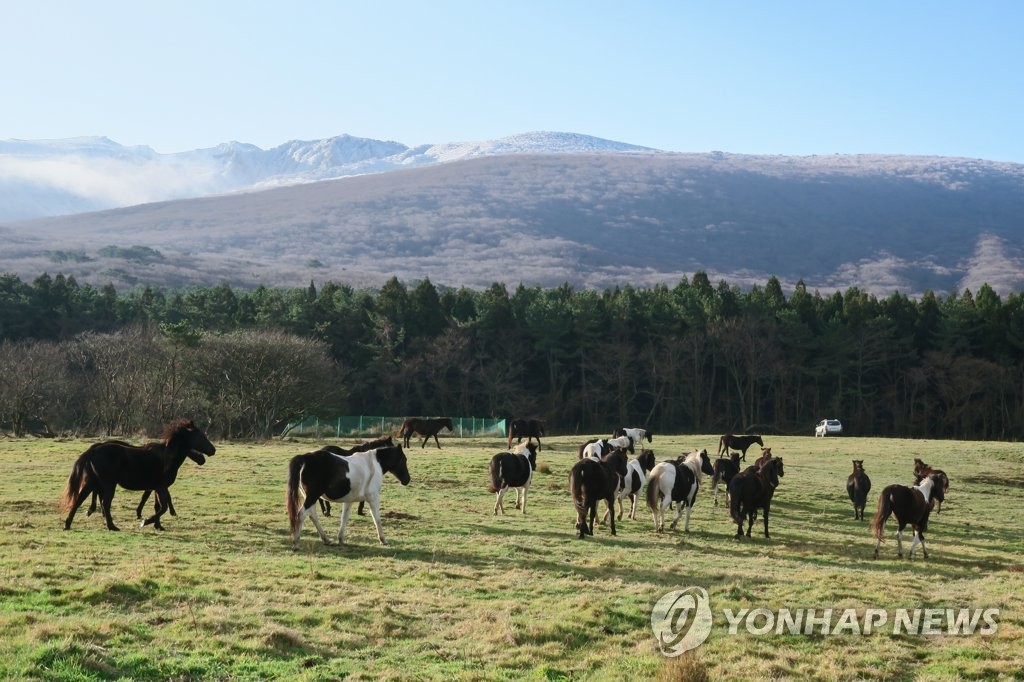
x=690 y=358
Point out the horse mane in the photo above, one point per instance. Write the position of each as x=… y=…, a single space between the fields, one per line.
x=175 y=428
x=692 y=460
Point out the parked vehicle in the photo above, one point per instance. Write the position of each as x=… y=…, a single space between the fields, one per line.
x=828 y=427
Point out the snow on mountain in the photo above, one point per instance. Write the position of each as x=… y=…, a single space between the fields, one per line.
x=41 y=178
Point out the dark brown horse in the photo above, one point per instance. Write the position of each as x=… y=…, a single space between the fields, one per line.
x=382 y=442
x=724 y=470
x=425 y=427
x=921 y=470
x=153 y=466
x=858 y=485
x=591 y=481
x=910 y=506
x=752 y=489
x=525 y=428
x=142 y=502
x=741 y=443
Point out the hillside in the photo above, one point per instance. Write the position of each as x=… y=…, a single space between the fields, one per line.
x=590 y=219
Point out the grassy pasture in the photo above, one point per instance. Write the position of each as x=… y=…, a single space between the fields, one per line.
x=462 y=594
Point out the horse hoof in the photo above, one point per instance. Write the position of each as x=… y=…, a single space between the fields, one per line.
x=114 y=528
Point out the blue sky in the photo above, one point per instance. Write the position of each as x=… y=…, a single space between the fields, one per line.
x=780 y=77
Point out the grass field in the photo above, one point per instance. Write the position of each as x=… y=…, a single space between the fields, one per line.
x=459 y=593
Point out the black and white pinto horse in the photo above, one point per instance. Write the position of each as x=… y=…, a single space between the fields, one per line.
x=591 y=481
x=513 y=470
x=910 y=506
x=679 y=482
x=525 y=428
x=741 y=443
x=425 y=427
x=637 y=470
x=858 y=485
x=382 y=442
x=752 y=489
x=725 y=469
x=341 y=479
x=598 y=448
x=636 y=434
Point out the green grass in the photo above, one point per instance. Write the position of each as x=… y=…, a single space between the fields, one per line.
x=460 y=593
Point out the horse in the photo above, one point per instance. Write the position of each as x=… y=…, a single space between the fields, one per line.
x=598 y=448
x=910 y=506
x=740 y=443
x=358 y=476
x=766 y=454
x=636 y=476
x=513 y=470
x=590 y=481
x=921 y=470
x=679 y=482
x=153 y=466
x=382 y=442
x=142 y=502
x=858 y=485
x=725 y=469
x=752 y=489
x=636 y=434
x=425 y=428
x=525 y=428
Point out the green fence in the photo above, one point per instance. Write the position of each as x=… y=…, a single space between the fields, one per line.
x=350 y=427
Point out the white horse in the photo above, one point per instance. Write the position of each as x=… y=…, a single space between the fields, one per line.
x=636 y=434
x=633 y=482
x=354 y=478
x=600 y=447
x=676 y=482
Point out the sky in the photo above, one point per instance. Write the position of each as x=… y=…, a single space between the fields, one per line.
x=932 y=77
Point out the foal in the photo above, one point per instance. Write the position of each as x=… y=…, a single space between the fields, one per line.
x=636 y=476
x=910 y=506
x=513 y=470
x=858 y=485
x=751 y=490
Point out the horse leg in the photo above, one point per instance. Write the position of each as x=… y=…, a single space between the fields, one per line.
x=360 y=509
x=498 y=503
x=752 y=516
x=82 y=494
x=325 y=506
x=593 y=516
x=437 y=441
x=106 y=497
x=375 y=513
x=766 y=506
x=163 y=497
x=686 y=525
x=610 y=502
x=524 y=489
x=346 y=509
x=142 y=503
x=714 y=489
x=92 y=507
x=899 y=543
x=679 y=513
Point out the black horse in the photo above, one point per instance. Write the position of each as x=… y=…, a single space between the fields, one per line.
x=142 y=502
x=425 y=428
x=741 y=443
x=153 y=466
x=525 y=428
x=752 y=489
x=591 y=481
x=383 y=442
x=858 y=485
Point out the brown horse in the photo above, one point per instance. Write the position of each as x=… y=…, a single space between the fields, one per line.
x=153 y=466
x=751 y=490
x=858 y=485
x=921 y=470
x=741 y=443
x=591 y=481
x=425 y=427
x=724 y=470
x=525 y=428
x=910 y=506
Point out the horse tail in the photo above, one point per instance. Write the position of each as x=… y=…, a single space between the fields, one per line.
x=577 y=486
x=495 y=484
x=76 y=481
x=722 y=445
x=882 y=515
x=653 y=488
x=293 y=503
x=736 y=500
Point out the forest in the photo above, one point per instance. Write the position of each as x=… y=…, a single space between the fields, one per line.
x=691 y=358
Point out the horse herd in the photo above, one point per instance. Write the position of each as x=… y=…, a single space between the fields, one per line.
x=604 y=472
